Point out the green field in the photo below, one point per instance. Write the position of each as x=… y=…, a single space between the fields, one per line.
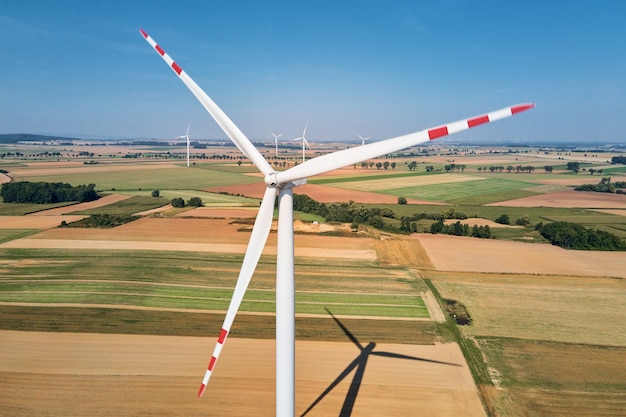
x=189 y=281
x=178 y=177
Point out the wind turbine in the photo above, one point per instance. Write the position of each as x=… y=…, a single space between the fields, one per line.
x=363 y=139
x=186 y=136
x=281 y=183
x=276 y=141
x=304 y=141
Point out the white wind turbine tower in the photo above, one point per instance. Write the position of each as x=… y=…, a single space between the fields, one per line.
x=304 y=141
x=186 y=136
x=276 y=141
x=363 y=139
x=281 y=183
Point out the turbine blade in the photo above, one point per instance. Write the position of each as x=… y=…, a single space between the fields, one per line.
x=350 y=156
x=232 y=131
x=259 y=235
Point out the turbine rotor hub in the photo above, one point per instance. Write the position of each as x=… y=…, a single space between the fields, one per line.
x=271 y=180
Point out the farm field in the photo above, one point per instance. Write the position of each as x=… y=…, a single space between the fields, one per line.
x=137 y=305
x=550 y=342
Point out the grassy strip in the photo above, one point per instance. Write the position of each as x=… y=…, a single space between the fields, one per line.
x=12 y=234
x=472 y=353
x=19 y=209
x=128 y=206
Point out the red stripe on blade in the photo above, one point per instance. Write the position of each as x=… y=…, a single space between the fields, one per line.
x=478 y=121
x=201 y=390
x=145 y=35
x=176 y=68
x=222 y=337
x=212 y=363
x=521 y=108
x=437 y=132
x=159 y=50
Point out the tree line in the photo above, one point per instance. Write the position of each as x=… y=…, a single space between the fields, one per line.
x=619 y=160
x=46 y=192
x=574 y=236
x=604 y=186
x=377 y=217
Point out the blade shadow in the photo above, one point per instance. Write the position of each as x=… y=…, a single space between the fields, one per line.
x=359 y=364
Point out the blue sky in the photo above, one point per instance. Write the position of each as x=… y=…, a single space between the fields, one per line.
x=348 y=68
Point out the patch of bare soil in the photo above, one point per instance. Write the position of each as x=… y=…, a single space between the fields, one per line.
x=570 y=198
x=321 y=193
x=61 y=374
x=454 y=253
x=35 y=222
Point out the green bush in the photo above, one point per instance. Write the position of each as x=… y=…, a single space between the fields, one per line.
x=503 y=219
x=178 y=202
x=194 y=202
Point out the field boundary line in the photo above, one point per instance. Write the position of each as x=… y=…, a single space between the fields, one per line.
x=192 y=310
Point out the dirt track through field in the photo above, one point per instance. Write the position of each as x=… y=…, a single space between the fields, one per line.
x=63 y=374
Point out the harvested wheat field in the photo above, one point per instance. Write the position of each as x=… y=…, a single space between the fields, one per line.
x=454 y=253
x=62 y=374
x=194 y=234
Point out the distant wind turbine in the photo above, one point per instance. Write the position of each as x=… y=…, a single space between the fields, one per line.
x=186 y=136
x=279 y=186
x=363 y=139
x=276 y=141
x=304 y=141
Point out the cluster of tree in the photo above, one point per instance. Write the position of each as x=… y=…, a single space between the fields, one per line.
x=179 y=202
x=573 y=166
x=604 y=186
x=574 y=236
x=510 y=168
x=101 y=221
x=504 y=219
x=379 y=165
x=46 y=192
x=618 y=160
x=452 y=167
x=345 y=212
x=458 y=312
x=459 y=229
x=375 y=217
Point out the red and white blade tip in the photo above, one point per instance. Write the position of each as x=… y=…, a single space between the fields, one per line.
x=444 y=130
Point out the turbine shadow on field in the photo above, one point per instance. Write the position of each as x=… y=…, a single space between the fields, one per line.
x=359 y=364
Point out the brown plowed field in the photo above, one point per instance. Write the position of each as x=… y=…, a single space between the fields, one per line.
x=568 y=198
x=321 y=193
x=67 y=374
